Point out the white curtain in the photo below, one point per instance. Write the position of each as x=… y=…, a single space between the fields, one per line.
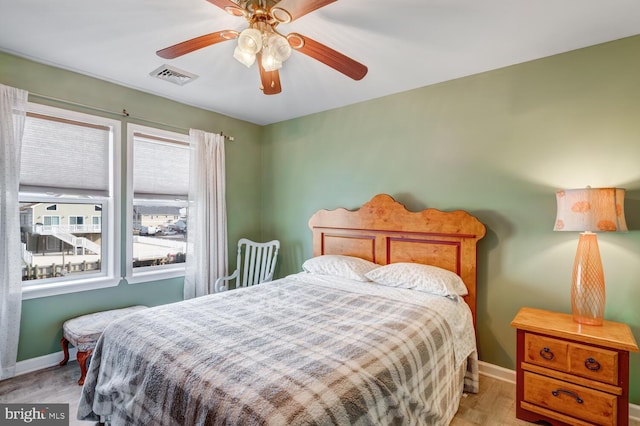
x=207 y=253
x=13 y=103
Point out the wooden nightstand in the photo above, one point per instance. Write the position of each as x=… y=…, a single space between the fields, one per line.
x=570 y=373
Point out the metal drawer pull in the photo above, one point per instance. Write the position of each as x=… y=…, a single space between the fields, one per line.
x=572 y=394
x=592 y=364
x=547 y=354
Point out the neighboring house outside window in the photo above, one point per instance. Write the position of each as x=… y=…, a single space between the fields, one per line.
x=68 y=202
x=157 y=194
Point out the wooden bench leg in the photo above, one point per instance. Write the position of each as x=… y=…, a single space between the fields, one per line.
x=65 y=349
x=82 y=360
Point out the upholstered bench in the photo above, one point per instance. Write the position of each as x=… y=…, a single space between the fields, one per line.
x=83 y=332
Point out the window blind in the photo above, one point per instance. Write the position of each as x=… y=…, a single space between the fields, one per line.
x=160 y=168
x=64 y=156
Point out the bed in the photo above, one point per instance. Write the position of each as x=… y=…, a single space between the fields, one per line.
x=374 y=331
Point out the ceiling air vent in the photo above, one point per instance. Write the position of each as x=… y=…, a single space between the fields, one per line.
x=173 y=74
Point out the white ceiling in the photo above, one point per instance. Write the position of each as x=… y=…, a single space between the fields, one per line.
x=405 y=44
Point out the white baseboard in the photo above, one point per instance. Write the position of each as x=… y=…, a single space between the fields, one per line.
x=507 y=375
x=486 y=369
x=42 y=362
x=497 y=372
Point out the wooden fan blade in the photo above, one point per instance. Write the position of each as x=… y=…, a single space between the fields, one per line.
x=296 y=8
x=189 y=46
x=270 y=79
x=328 y=56
x=229 y=6
x=223 y=3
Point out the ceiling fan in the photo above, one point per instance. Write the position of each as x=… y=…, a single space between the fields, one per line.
x=263 y=42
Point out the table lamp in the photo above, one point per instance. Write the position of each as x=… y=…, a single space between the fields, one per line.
x=589 y=210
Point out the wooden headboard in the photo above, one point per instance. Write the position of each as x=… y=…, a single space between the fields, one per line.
x=384 y=231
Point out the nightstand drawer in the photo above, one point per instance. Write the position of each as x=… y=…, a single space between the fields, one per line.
x=547 y=352
x=593 y=363
x=584 y=361
x=569 y=399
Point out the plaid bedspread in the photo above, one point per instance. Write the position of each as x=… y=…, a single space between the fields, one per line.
x=303 y=350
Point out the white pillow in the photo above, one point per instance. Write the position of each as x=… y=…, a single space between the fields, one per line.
x=425 y=278
x=341 y=266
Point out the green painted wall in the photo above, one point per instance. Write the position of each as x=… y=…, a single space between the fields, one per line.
x=42 y=318
x=498 y=144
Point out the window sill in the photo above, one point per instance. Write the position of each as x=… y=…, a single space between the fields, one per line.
x=65 y=287
x=139 y=277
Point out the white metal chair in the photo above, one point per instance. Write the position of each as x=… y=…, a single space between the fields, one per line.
x=255 y=264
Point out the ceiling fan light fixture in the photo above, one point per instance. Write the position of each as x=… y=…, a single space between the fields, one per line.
x=246 y=59
x=269 y=60
x=250 y=41
x=279 y=47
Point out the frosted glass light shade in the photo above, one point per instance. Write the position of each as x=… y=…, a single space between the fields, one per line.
x=273 y=48
x=250 y=41
x=269 y=63
x=269 y=60
x=279 y=47
x=244 y=58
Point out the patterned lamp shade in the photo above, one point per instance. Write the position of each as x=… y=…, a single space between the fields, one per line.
x=589 y=210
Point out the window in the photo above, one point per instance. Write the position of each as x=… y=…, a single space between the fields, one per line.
x=158 y=186
x=68 y=202
x=51 y=221
x=76 y=224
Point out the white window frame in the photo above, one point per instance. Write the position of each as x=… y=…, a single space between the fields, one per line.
x=150 y=273
x=110 y=272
